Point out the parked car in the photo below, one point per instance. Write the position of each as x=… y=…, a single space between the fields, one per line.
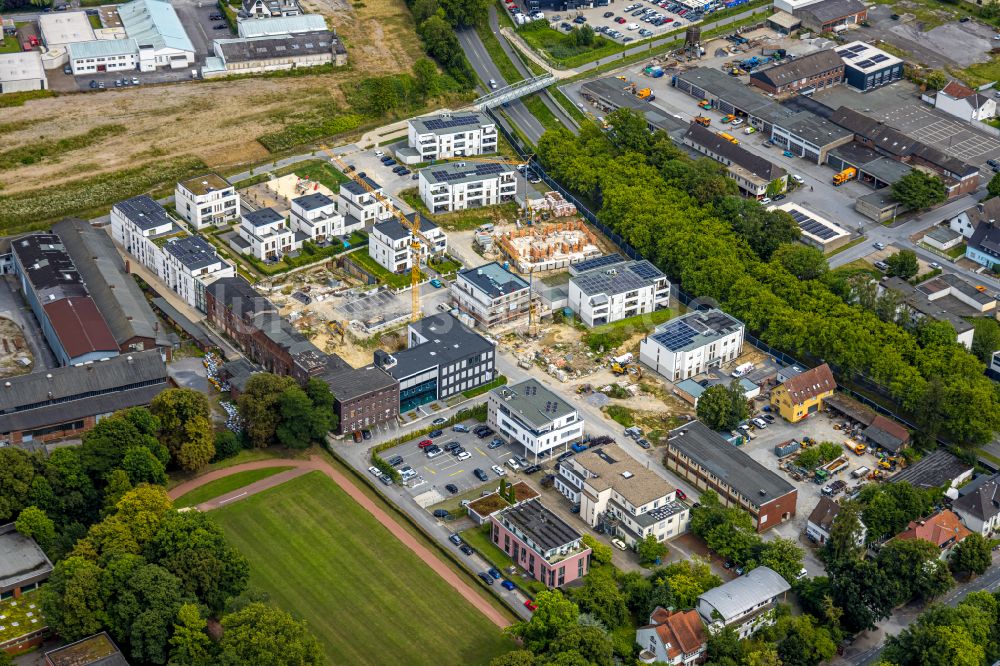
x=507 y=585
x=878 y=246
x=434 y=452
x=436 y=283
x=480 y=474
x=779 y=197
x=531 y=469
x=464 y=455
x=396 y=461
x=498 y=470
x=375 y=470
x=466 y=549
x=798 y=179
x=458 y=427
x=451 y=488
x=882 y=266
x=530 y=605
x=441 y=513
x=483 y=434
x=619 y=544
x=495 y=443
x=681 y=494
x=485 y=577
x=765 y=201
x=767 y=417
x=935 y=265
x=406 y=172
x=435 y=433
x=451 y=446
x=644 y=443
x=759 y=422
x=425 y=444
x=513 y=464
x=608 y=14
x=455 y=539
x=385 y=479
x=93 y=84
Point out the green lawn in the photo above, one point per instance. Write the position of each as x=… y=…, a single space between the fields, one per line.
x=611 y=335
x=9 y=45
x=538 y=109
x=225 y=485
x=366 y=596
x=322 y=173
x=394 y=280
x=498 y=55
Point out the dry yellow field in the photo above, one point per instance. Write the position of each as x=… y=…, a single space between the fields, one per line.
x=216 y=121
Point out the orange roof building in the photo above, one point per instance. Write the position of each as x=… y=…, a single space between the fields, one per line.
x=804 y=393
x=672 y=637
x=943 y=529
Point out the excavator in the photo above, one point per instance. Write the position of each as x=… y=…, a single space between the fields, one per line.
x=627 y=369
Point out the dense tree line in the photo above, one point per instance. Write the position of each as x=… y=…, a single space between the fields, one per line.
x=966 y=635
x=672 y=209
x=276 y=410
x=723 y=407
x=436 y=23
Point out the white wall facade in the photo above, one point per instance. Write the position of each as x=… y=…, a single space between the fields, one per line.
x=461 y=195
x=597 y=309
x=675 y=366
x=436 y=145
x=538 y=441
x=215 y=208
x=190 y=285
x=318 y=223
x=138 y=242
x=961 y=108
x=270 y=241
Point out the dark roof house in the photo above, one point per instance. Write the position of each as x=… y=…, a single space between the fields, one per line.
x=811 y=383
x=888 y=434
x=937 y=469
x=791 y=72
x=741 y=157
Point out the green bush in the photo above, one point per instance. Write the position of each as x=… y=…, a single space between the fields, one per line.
x=19 y=98
x=322 y=123
x=622 y=415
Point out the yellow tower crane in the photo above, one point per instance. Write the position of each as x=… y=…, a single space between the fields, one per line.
x=413 y=227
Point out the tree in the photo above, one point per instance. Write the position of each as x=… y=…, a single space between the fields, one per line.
x=227 y=445
x=918 y=190
x=971 y=555
x=298 y=427
x=802 y=261
x=650 y=550
x=844 y=542
x=198 y=447
x=864 y=592
x=425 y=75
x=132 y=524
x=262 y=634
x=554 y=615
x=630 y=131
x=783 y=556
x=994 y=186
x=105 y=445
x=72 y=599
x=601 y=597
x=34 y=524
x=193 y=547
x=189 y=644
x=985 y=337
x=142 y=466
x=590 y=643
x=600 y=553
x=722 y=408
x=259 y=406
x=515 y=658
x=442 y=44
x=176 y=409
x=143 y=602
x=903 y=264
x=16 y=474
x=763 y=230
x=913 y=569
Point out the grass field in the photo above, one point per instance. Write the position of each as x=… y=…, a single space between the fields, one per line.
x=225 y=485
x=366 y=596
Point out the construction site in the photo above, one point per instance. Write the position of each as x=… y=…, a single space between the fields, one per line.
x=546 y=247
x=277 y=193
x=15 y=357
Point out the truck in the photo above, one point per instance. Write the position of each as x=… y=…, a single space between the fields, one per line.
x=821 y=475
x=857 y=447
x=860 y=472
x=844 y=176
x=786 y=448
x=834 y=488
x=729 y=137
x=654 y=71
x=743 y=368
x=728 y=118
x=645 y=93
x=705 y=104
x=703 y=121
x=838 y=465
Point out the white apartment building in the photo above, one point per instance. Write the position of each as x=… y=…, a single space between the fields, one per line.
x=449 y=135
x=690 y=344
x=460 y=185
x=189 y=265
x=390 y=243
x=207 y=201
x=617 y=491
x=530 y=415
x=492 y=295
x=315 y=216
x=138 y=224
x=743 y=603
x=360 y=204
x=266 y=234
x=616 y=291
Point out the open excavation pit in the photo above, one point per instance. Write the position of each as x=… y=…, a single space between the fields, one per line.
x=547 y=247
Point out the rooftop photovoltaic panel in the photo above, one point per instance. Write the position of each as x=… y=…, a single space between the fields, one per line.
x=598 y=262
x=646 y=270
x=445 y=123
x=817 y=229
x=878 y=57
x=797 y=216
x=858 y=48
x=676 y=335
x=864 y=63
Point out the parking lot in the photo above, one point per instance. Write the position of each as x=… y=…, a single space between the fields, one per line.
x=433 y=474
x=633 y=22
x=369 y=163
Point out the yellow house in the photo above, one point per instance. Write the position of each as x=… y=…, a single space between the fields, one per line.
x=803 y=394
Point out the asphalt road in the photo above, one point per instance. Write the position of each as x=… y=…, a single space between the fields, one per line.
x=484 y=66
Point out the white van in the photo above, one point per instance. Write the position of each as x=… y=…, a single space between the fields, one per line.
x=632 y=26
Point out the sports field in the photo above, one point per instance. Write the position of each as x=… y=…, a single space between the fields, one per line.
x=225 y=485
x=367 y=597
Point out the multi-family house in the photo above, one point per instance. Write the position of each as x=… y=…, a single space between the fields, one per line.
x=691 y=344
x=359 y=205
x=744 y=603
x=492 y=295
x=803 y=394
x=617 y=492
x=391 y=243
x=461 y=185
x=190 y=264
x=450 y=135
x=532 y=416
x=618 y=291
x=672 y=637
x=315 y=216
x=207 y=201
x=540 y=542
x=266 y=234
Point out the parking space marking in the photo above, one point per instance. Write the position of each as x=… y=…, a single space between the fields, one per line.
x=457 y=473
x=481 y=452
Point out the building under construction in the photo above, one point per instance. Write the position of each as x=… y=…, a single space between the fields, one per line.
x=547 y=247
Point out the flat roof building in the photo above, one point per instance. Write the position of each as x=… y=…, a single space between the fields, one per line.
x=617 y=291
x=540 y=542
x=459 y=185
x=816 y=231
x=943 y=298
x=268 y=53
x=704 y=458
x=21 y=72
x=60 y=29
x=692 y=343
x=532 y=416
x=492 y=295
x=282 y=25
x=938 y=469
x=96 y=650
x=23 y=565
x=362 y=397
x=446 y=135
x=867 y=67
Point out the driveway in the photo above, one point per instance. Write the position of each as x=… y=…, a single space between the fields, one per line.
x=189 y=373
x=199 y=28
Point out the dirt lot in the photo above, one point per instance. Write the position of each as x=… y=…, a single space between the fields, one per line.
x=13 y=350
x=216 y=121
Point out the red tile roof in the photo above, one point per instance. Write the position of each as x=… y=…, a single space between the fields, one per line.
x=940 y=529
x=810 y=384
x=80 y=327
x=681 y=630
x=957 y=90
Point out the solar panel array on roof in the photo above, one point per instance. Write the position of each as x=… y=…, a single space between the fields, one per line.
x=878 y=57
x=676 y=335
x=646 y=270
x=864 y=63
x=811 y=226
x=445 y=123
x=478 y=169
x=598 y=262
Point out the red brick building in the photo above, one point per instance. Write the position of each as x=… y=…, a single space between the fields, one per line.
x=815 y=71
x=701 y=456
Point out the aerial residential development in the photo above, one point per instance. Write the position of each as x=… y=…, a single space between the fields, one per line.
x=523 y=333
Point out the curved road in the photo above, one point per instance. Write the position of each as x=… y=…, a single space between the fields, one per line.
x=315 y=463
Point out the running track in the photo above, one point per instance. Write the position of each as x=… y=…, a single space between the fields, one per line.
x=315 y=463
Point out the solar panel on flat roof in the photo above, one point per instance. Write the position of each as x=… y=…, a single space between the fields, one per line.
x=645 y=270
x=817 y=229
x=878 y=57
x=849 y=55
x=445 y=123
x=864 y=63
x=798 y=216
x=858 y=48
x=597 y=262
x=676 y=335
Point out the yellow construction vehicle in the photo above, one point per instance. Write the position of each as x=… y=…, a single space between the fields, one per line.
x=729 y=137
x=413 y=226
x=844 y=176
x=703 y=121
x=337 y=327
x=626 y=369
x=644 y=93
x=857 y=447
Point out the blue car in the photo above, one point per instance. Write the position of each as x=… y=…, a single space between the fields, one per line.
x=507 y=585
x=436 y=283
x=495 y=574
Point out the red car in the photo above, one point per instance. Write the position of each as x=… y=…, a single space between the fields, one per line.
x=680 y=494
x=669 y=20
x=530 y=605
x=424 y=444
x=620 y=19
